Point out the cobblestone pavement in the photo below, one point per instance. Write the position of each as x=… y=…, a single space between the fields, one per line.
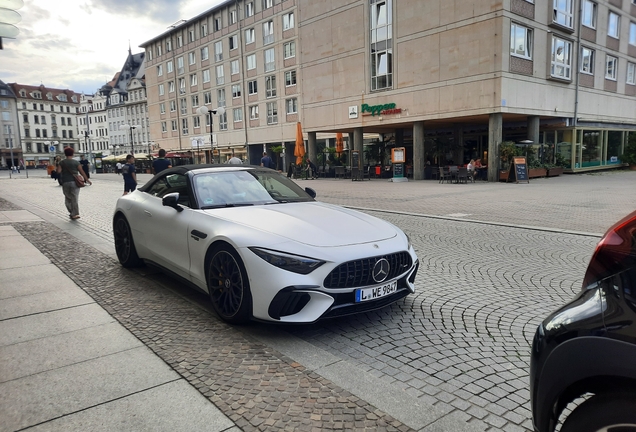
x=460 y=344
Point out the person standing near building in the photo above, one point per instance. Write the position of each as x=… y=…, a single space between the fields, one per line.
x=267 y=161
x=130 y=175
x=85 y=166
x=235 y=161
x=66 y=171
x=118 y=167
x=161 y=163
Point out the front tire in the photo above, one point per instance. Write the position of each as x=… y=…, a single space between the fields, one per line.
x=124 y=244
x=228 y=286
x=603 y=413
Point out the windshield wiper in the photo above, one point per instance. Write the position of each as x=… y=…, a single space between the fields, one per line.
x=214 y=206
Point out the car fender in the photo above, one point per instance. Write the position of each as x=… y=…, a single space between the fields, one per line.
x=567 y=368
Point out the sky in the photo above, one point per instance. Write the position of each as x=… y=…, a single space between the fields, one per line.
x=81 y=44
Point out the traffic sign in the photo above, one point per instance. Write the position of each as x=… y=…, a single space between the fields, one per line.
x=52 y=149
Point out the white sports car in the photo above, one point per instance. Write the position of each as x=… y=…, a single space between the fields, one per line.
x=261 y=246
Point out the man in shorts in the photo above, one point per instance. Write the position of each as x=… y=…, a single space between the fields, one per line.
x=130 y=176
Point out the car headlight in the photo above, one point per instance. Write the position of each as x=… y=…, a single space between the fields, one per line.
x=293 y=263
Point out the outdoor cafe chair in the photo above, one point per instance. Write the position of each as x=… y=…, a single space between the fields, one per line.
x=454 y=171
x=462 y=175
x=444 y=174
x=339 y=172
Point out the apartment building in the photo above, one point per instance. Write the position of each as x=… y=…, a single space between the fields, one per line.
x=449 y=81
x=92 y=125
x=10 y=149
x=47 y=119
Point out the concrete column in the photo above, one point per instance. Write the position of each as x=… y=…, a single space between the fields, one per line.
x=495 y=125
x=311 y=146
x=533 y=129
x=418 y=151
x=358 y=142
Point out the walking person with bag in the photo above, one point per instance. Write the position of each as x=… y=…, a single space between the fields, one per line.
x=68 y=170
x=129 y=173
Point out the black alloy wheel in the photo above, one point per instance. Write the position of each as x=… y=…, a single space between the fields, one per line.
x=228 y=286
x=603 y=413
x=124 y=244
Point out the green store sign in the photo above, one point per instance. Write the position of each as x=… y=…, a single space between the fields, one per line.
x=380 y=109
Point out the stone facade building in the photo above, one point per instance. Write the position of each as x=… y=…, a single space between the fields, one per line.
x=449 y=81
x=9 y=129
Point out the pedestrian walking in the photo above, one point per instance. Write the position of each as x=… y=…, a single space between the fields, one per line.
x=67 y=169
x=118 y=167
x=85 y=166
x=130 y=175
x=161 y=163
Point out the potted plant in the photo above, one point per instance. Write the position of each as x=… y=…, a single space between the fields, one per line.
x=276 y=150
x=535 y=168
x=507 y=150
x=629 y=156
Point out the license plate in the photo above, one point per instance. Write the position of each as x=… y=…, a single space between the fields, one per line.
x=366 y=294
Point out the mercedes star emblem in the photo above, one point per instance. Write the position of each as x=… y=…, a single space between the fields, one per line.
x=381 y=270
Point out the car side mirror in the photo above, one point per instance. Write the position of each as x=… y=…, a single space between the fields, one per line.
x=311 y=192
x=172 y=200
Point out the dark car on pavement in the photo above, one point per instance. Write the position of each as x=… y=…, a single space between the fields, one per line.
x=585 y=352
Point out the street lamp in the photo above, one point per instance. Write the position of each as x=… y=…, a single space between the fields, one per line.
x=130 y=128
x=203 y=110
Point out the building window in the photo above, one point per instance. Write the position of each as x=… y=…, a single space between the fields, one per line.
x=218 y=51
x=191 y=36
x=249 y=36
x=217 y=24
x=268 y=4
x=220 y=97
x=182 y=85
x=562 y=12
x=631 y=73
x=268 y=32
x=159 y=70
x=292 y=106
x=251 y=62
x=238 y=115
x=236 y=90
x=289 y=49
x=270 y=63
x=173 y=106
x=192 y=58
x=193 y=79
x=169 y=45
x=588 y=19
x=254 y=112
x=36 y=119
x=611 y=65
x=184 y=106
x=171 y=87
x=288 y=21
x=613 y=25
x=204 y=30
x=220 y=77
x=632 y=33
x=233 y=42
x=169 y=67
x=179 y=41
x=164 y=128
x=561 y=59
x=272 y=113
x=184 y=125
x=206 y=76
x=252 y=87
x=195 y=101
x=196 y=122
x=520 y=41
x=63 y=133
x=232 y=17
x=249 y=9
x=204 y=53
x=162 y=108
x=381 y=43
x=290 y=78
x=207 y=98
x=180 y=68
x=587 y=61
x=223 y=121
x=174 y=125
x=270 y=86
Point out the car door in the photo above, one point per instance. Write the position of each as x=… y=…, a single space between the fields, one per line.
x=165 y=230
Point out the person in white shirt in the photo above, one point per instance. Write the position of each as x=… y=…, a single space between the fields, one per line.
x=235 y=161
x=118 y=167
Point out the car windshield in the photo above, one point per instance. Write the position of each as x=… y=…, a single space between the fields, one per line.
x=245 y=187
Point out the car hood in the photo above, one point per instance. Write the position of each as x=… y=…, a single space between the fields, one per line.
x=311 y=223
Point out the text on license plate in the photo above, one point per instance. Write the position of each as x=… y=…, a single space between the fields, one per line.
x=366 y=294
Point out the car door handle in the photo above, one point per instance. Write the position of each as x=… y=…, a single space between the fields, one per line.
x=148 y=213
x=198 y=235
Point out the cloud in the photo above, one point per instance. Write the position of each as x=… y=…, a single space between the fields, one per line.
x=157 y=10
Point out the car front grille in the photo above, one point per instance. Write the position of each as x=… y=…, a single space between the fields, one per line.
x=358 y=273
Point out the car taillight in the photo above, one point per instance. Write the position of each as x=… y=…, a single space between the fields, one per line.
x=614 y=253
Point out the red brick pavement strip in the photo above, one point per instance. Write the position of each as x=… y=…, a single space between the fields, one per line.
x=256 y=387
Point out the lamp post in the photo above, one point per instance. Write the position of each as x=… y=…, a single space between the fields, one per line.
x=203 y=110
x=197 y=142
x=130 y=128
